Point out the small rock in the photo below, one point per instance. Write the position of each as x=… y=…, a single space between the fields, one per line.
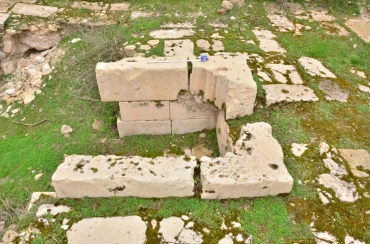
x=2 y=224
x=14 y=111
x=227 y=5
x=97 y=125
x=10 y=91
x=364 y=88
x=51 y=209
x=324 y=147
x=129 y=50
x=189 y=225
x=323 y=198
x=154 y=223
x=66 y=129
x=145 y=47
x=38 y=176
x=9 y=236
x=367 y=212
x=205 y=230
x=354 y=46
x=153 y=42
x=239 y=238
x=298 y=149
x=65 y=227
x=221 y=11
x=184 y=217
x=65 y=221
x=236 y=224
x=75 y=40
x=171 y=228
x=27 y=97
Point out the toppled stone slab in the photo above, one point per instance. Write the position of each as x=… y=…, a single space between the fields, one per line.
x=171 y=34
x=289 y=93
x=138 y=14
x=179 y=48
x=190 y=236
x=333 y=91
x=130 y=229
x=361 y=27
x=364 y=88
x=228 y=82
x=250 y=171
x=315 y=68
x=34 y=10
x=281 y=22
x=346 y=192
x=134 y=79
x=107 y=176
x=141 y=111
x=51 y=209
x=3 y=18
x=358 y=160
x=282 y=71
x=160 y=127
x=267 y=42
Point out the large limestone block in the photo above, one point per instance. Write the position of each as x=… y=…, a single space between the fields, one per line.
x=142 y=111
x=190 y=106
x=251 y=171
x=143 y=127
x=183 y=126
x=228 y=82
x=34 y=10
x=135 y=79
x=223 y=139
x=108 y=176
x=129 y=229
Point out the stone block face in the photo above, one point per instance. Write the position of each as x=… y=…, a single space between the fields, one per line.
x=143 y=127
x=223 y=139
x=227 y=81
x=251 y=171
x=108 y=176
x=190 y=106
x=135 y=79
x=289 y=93
x=184 y=126
x=142 y=111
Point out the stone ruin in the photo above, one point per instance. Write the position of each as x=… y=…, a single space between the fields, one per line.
x=178 y=98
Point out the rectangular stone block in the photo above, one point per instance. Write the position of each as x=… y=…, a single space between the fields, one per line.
x=188 y=108
x=184 y=126
x=34 y=10
x=143 y=111
x=135 y=79
x=143 y=127
x=113 y=176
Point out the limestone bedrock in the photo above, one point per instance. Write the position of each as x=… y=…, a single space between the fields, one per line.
x=129 y=229
x=134 y=79
x=251 y=171
x=226 y=81
x=107 y=176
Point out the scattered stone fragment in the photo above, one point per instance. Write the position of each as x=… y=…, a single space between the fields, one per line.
x=346 y=192
x=98 y=124
x=289 y=93
x=357 y=159
x=129 y=229
x=338 y=29
x=145 y=47
x=333 y=91
x=129 y=50
x=321 y=15
x=350 y=240
x=281 y=22
x=153 y=43
x=9 y=236
x=239 y=238
x=264 y=76
x=179 y=48
x=96 y=6
x=361 y=27
x=51 y=209
x=298 y=149
x=203 y=44
x=154 y=223
x=267 y=42
x=227 y=5
x=236 y=224
x=190 y=236
x=323 y=147
x=66 y=129
x=222 y=11
x=200 y=151
x=282 y=71
x=138 y=14
x=171 y=34
x=34 y=10
x=189 y=225
x=335 y=169
x=323 y=199
x=75 y=40
x=3 y=18
x=216 y=36
x=320 y=236
x=364 y=88
x=226 y=240
x=205 y=230
x=315 y=68
x=170 y=228
x=120 y=6
x=38 y=176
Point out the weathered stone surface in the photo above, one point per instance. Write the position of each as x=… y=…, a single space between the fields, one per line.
x=217 y=46
x=203 y=44
x=321 y=15
x=346 y=192
x=130 y=229
x=9 y=236
x=253 y=171
x=361 y=27
x=228 y=82
x=135 y=80
x=223 y=135
x=190 y=236
x=40 y=40
x=142 y=111
x=333 y=91
x=282 y=71
x=160 y=127
x=51 y=209
x=189 y=106
x=267 y=42
x=120 y=6
x=298 y=149
x=3 y=18
x=335 y=168
x=364 y=88
x=171 y=34
x=315 y=68
x=281 y=22
x=227 y=5
x=200 y=151
x=36 y=196
x=183 y=126
x=107 y=176
x=170 y=228
x=4 y=7
x=179 y=48
x=357 y=159
x=289 y=93
x=96 y=6
x=34 y=10
x=184 y=25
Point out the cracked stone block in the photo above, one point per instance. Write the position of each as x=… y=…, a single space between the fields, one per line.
x=113 y=176
x=315 y=68
x=134 y=79
x=179 y=48
x=129 y=229
x=142 y=111
x=282 y=71
x=226 y=81
x=183 y=126
x=251 y=171
x=119 y=6
x=160 y=127
x=288 y=93
x=171 y=34
x=34 y=10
